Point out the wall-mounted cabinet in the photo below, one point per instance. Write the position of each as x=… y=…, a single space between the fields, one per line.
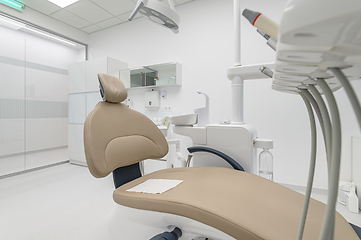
x=166 y=74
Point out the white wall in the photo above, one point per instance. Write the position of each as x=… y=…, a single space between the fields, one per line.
x=204 y=46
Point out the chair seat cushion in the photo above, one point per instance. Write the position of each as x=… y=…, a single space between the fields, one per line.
x=242 y=205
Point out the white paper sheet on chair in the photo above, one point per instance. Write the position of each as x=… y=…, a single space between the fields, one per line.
x=155 y=186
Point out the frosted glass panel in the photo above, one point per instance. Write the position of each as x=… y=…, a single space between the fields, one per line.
x=12 y=43
x=77 y=76
x=34 y=98
x=76 y=142
x=77 y=108
x=12 y=103
x=91 y=100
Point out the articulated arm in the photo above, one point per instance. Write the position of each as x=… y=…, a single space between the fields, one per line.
x=227 y=158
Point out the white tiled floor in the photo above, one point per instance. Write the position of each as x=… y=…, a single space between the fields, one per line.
x=66 y=202
x=62 y=202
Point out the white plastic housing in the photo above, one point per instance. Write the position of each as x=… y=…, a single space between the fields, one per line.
x=152 y=99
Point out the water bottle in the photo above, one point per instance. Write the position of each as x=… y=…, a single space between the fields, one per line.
x=266 y=164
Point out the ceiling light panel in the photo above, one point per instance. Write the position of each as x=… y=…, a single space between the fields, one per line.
x=14 y=4
x=63 y=3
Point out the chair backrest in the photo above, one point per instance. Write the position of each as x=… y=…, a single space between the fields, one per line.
x=117 y=136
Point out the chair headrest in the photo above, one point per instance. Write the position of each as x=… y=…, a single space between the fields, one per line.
x=113 y=89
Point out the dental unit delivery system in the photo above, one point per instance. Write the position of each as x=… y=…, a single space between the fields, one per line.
x=310 y=57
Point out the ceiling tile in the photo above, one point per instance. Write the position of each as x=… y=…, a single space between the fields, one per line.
x=42 y=6
x=109 y=22
x=182 y=1
x=90 y=29
x=71 y=19
x=124 y=17
x=89 y=11
x=115 y=7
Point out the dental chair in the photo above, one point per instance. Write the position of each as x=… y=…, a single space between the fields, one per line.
x=210 y=203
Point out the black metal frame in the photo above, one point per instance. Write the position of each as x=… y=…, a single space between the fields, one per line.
x=227 y=158
x=126 y=174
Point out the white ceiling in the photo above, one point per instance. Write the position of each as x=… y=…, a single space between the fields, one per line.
x=90 y=15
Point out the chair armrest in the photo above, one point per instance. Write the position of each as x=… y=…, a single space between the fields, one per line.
x=227 y=158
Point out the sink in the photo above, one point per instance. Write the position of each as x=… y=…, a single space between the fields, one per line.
x=184 y=120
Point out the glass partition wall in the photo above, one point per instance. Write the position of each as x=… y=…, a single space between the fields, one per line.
x=33 y=96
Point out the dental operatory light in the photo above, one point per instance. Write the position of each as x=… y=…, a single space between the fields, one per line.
x=63 y=3
x=158 y=13
x=14 y=4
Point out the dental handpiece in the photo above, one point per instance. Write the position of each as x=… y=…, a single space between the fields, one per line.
x=270 y=40
x=262 y=22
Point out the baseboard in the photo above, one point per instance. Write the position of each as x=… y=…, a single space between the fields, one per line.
x=34 y=169
x=31 y=152
x=79 y=163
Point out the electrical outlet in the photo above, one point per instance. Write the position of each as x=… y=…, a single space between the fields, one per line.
x=166 y=109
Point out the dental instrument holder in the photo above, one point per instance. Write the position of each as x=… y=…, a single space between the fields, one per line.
x=203 y=113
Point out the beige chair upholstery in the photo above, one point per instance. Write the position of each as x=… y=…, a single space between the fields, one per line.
x=243 y=205
x=116 y=136
x=240 y=204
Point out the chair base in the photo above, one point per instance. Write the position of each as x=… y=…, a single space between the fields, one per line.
x=135 y=224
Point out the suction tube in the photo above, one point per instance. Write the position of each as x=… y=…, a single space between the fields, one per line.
x=262 y=23
x=350 y=92
x=328 y=226
x=311 y=172
x=326 y=122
